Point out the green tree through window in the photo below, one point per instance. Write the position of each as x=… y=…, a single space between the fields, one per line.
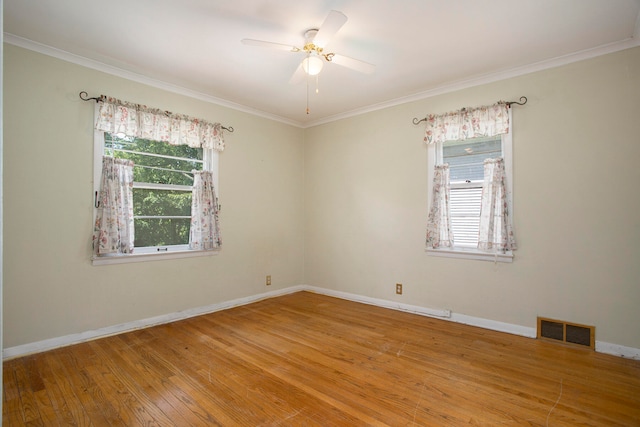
x=162 y=187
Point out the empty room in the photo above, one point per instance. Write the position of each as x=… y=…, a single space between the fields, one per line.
x=320 y=213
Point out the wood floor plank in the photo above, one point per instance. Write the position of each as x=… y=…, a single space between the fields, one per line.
x=185 y=378
x=220 y=380
x=151 y=402
x=128 y=408
x=272 y=369
x=246 y=379
x=28 y=402
x=12 y=412
x=86 y=389
x=158 y=377
x=76 y=411
x=56 y=395
x=311 y=360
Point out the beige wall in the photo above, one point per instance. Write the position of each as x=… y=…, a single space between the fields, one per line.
x=50 y=287
x=344 y=210
x=576 y=203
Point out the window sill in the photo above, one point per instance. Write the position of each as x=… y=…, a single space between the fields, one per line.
x=150 y=256
x=471 y=254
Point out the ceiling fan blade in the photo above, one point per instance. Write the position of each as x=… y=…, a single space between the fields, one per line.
x=261 y=43
x=298 y=75
x=334 y=21
x=354 y=64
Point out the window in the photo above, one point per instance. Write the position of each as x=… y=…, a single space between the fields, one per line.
x=466 y=173
x=162 y=191
x=156 y=161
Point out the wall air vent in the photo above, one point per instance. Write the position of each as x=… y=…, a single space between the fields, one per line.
x=571 y=333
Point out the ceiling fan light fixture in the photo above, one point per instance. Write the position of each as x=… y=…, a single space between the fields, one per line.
x=312 y=65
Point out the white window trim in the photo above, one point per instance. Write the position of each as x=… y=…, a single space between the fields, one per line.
x=177 y=252
x=151 y=253
x=434 y=154
x=470 y=253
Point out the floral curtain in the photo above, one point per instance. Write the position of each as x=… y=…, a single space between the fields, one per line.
x=496 y=233
x=467 y=123
x=113 y=231
x=439 y=223
x=137 y=120
x=205 y=229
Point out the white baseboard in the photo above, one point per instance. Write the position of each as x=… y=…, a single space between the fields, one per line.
x=49 y=344
x=494 y=325
x=618 y=350
x=431 y=312
x=52 y=343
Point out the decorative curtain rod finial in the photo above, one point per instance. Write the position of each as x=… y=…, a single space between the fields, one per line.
x=85 y=97
x=523 y=100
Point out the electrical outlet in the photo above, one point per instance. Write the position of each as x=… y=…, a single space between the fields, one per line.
x=399 y=288
x=268 y=280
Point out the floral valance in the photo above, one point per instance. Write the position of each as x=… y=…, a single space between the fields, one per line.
x=467 y=123
x=137 y=120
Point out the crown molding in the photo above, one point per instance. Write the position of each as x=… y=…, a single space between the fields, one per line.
x=139 y=78
x=439 y=90
x=491 y=78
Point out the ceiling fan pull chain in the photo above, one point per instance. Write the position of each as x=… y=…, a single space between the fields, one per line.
x=307 y=79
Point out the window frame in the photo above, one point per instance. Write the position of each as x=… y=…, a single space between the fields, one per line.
x=148 y=253
x=434 y=156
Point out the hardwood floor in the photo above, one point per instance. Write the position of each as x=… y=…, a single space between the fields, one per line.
x=311 y=360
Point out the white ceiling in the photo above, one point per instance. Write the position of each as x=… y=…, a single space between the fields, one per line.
x=419 y=47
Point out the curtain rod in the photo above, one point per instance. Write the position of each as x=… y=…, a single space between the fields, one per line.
x=523 y=100
x=85 y=97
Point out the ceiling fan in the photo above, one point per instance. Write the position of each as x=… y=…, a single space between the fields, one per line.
x=314 y=49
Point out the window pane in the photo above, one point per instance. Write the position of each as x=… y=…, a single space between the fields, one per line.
x=155 y=161
x=161 y=231
x=161 y=203
x=464 y=206
x=466 y=158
